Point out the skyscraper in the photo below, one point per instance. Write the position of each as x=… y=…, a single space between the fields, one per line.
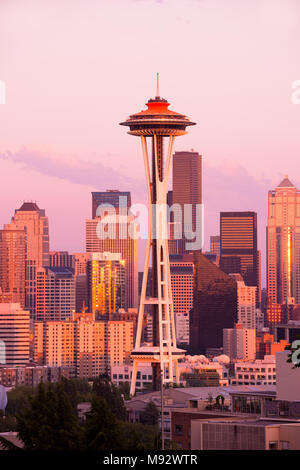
x=114 y=237
x=106 y=283
x=246 y=297
x=15 y=334
x=187 y=185
x=283 y=243
x=55 y=293
x=239 y=343
x=215 y=305
x=117 y=199
x=182 y=283
x=35 y=223
x=238 y=247
x=12 y=265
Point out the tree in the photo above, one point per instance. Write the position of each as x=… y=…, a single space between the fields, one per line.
x=102 y=430
x=137 y=436
x=150 y=414
x=48 y=421
x=125 y=390
x=7 y=423
x=17 y=398
x=78 y=390
x=107 y=390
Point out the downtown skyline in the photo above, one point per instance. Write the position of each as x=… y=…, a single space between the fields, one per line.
x=67 y=142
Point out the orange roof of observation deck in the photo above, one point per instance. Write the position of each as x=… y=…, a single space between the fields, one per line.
x=157 y=106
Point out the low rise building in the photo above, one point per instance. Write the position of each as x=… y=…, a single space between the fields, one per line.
x=259 y=372
x=31 y=375
x=122 y=373
x=238 y=434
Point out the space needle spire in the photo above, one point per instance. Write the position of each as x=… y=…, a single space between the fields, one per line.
x=158 y=124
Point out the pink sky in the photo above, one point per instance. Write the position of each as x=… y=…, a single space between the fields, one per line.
x=75 y=68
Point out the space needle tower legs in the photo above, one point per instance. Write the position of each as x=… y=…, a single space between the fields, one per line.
x=157 y=123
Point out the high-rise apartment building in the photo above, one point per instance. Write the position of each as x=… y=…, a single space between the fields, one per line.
x=55 y=297
x=238 y=247
x=239 y=343
x=182 y=284
x=283 y=243
x=12 y=265
x=33 y=220
x=246 y=297
x=14 y=334
x=106 y=283
x=114 y=234
x=87 y=346
x=182 y=327
x=187 y=187
x=214 y=306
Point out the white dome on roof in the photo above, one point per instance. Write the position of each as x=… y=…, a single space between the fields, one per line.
x=222 y=359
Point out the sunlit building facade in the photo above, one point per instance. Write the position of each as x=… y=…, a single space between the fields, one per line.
x=187 y=187
x=106 y=283
x=182 y=283
x=14 y=334
x=283 y=243
x=113 y=235
x=33 y=220
x=55 y=293
x=12 y=265
x=246 y=297
x=86 y=346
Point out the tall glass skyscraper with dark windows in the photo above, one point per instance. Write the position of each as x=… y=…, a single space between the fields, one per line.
x=238 y=247
x=113 y=197
x=214 y=305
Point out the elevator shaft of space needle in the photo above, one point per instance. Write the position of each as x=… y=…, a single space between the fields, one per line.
x=160 y=125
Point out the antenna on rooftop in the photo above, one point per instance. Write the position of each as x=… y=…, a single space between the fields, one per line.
x=157 y=85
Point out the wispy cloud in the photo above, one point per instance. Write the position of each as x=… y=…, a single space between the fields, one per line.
x=94 y=174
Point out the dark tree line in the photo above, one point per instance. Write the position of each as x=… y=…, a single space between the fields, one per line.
x=46 y=418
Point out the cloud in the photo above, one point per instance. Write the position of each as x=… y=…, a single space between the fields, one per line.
x=226 y=187
x=94 y=174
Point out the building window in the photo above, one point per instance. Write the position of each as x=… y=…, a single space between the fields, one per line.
x=285 y=445
x=178 y=430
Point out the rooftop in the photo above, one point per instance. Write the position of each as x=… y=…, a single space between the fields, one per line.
x=29 y=206
x=285 y=183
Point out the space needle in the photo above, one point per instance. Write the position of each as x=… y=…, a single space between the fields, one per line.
x=160 y=125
